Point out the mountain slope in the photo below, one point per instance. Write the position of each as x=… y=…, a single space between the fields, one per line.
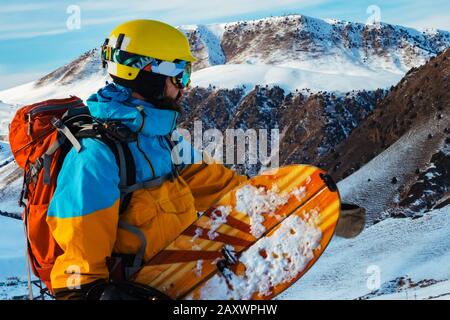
x=290 y=78
x=422 y=96
x=81 y=78
x=12 y=248
x=6 y=113
x=412 y=124
x=11 y=177
x=380 y=184
x=410 y=254
x=310 y=125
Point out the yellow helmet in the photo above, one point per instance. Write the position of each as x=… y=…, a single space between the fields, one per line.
x=147 y=45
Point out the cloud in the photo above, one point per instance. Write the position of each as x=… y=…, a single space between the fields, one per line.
x=24 y=26
x=437 y=21
x=223 y=7
x=105 y=20
x=28 y=24
x=420 y=14
x=17 y=8
x=32 y=34
x=10 y=79
x=100 y=12
x=193 y=11
x=178 y=12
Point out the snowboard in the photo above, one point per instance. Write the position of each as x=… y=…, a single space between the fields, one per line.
x=257 y=241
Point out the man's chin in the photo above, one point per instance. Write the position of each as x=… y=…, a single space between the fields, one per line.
x=170 y=103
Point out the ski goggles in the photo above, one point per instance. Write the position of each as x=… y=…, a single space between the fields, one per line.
x=179 y=70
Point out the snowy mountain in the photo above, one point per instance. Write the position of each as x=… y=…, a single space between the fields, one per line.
x=293 y=52
x=297 y=51
x=6 y=113
x=298 y=40
x=5 y=153
x=421 y=96
x=400 y=169
x=414 y=122
x=10 y=186
x=310 y=125
x=80 y=77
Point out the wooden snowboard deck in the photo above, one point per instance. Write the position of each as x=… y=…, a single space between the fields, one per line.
x=184 y=266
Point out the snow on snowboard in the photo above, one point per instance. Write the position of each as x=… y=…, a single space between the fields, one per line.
x=254 y=243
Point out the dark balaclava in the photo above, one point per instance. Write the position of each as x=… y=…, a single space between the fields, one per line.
x=151 y=86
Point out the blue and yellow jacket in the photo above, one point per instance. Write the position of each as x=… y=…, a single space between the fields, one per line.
x=84 y=212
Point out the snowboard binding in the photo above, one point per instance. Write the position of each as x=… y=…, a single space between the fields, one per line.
x=229 y=260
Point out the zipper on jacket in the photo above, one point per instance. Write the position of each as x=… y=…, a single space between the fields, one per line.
x=152 y=169
x=145 y=156
x=53 y=108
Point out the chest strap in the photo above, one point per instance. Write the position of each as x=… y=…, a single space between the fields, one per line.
x=126 y=189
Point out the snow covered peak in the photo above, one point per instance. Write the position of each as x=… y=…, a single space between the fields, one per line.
x=81 y=77
x=205 y=41
x=293 y=52
x=297 y=47
x=300 y=39
x=85 y=66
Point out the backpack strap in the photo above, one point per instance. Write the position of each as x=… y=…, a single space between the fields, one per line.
x=127 y=175
x=127 y=169
x=139 y=257
x=64 y=130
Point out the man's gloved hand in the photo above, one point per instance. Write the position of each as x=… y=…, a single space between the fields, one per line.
x=351 y=222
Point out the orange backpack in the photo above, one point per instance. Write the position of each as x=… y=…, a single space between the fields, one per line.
x=40 y=136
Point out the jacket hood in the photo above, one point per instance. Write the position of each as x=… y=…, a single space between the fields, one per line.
x=114 y=102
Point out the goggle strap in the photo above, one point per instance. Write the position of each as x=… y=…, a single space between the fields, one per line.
x=132 y=60
x=119 y=41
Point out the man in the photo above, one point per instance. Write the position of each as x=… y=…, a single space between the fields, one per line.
x=150 y=63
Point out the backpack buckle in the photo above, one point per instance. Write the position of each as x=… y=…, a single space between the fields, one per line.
x=229 y=259
x=119 y=132
x=57 y=123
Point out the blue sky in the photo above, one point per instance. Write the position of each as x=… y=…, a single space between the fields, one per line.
x=35 y=38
